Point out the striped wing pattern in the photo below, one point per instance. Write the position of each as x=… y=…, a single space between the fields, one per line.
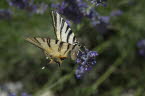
x=52 y=48
x=66 y=44
x=62 y=29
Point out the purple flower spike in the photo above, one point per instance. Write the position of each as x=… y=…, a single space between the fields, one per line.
x=78 y=61
x=19 y=3
x=28 y=5
x=25 y=94
x=104 y=19
x=93 y=54
x=12 y=94
x=76 y=10
x=41 y=8
x=86 y=60
x=98 y=2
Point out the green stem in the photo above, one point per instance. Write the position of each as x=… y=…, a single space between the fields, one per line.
x=110 y=70
x=48 y=87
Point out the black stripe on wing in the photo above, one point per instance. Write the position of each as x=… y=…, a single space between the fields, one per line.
x=48 y=42
x=68 y=46
x=35 y=40
x=56 y=41
x=62 y=26
x=68 y=36
x=60 y=46
x=53 y=20
x=62 y=30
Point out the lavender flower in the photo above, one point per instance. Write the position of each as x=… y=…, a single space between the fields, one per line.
x=76 y=10
x=98 y=2
x=141 y=47
x=104 y=19
x=25 y=94
x=22 y=4
x=41 y=8
x=116 y=13
x=86 y=60
x=70 y=9
x=12 y=89
x=29 y=6
x=12 y=94
x=22 y=94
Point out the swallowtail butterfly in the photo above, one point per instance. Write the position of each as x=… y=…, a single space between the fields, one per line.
x=65 y=46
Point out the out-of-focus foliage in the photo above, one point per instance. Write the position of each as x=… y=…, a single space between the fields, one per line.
x=120 y=65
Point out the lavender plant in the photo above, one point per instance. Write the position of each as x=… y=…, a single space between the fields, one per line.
x=12 y=89
x=98 y=2
x=76 y=10
x=85 y=60
x=22 y=94
x=28 y=5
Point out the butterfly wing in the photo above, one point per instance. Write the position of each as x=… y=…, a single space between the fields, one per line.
x=62 y=30
x=66 y=41
x=55 y=49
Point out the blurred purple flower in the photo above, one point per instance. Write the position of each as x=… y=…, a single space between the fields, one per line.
x=98 y=2
x=22 y=4
x=12 y=89
x=29 y=6
x=141 y=47
x=5 y=14
x=41 y=8
x=116 y=13
x=70 y=9
x=68 y=22
x=86 y=60
x=12 y=94
x=104 y=19
x=22 y=94
x=104 y=22
x=25 y=94
x=76 y=10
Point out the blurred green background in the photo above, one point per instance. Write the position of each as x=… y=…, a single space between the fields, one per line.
x=119 y=70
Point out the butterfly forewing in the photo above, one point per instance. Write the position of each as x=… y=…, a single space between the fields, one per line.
x=62 y=30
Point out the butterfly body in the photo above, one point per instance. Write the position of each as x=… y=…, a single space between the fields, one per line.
x=65 y=46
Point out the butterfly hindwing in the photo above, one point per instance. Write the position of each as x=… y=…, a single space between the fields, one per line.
x=62 y=30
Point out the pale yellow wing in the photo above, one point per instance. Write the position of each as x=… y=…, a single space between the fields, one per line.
x=52 y=47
